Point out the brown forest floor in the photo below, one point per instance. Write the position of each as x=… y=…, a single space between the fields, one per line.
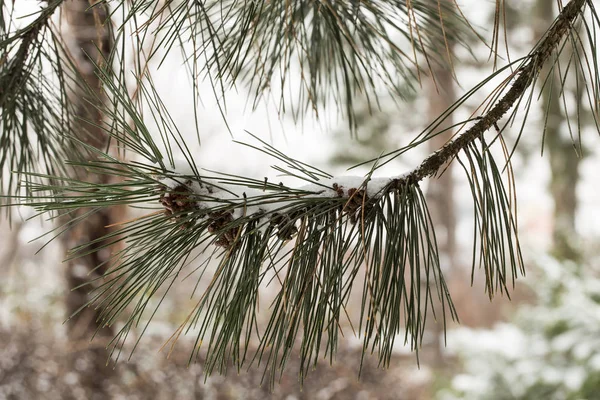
x=35 y=365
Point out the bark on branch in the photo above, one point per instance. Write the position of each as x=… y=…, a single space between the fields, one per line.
x=525 y=77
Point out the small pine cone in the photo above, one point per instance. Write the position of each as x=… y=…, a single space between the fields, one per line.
x=219 y=221
x=286 y=226
x=227 y=238
x=338 y=189
x=222 y=242
x=177 y=200
x=353 y=207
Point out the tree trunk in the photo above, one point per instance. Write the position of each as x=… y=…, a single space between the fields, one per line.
x=564 y=161
x=440 y=194
x=87 y=33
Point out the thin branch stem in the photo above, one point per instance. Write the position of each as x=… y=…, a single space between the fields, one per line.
x=27 y=36
x=526 y=74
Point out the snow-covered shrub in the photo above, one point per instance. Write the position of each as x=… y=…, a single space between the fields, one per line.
x=550 y=351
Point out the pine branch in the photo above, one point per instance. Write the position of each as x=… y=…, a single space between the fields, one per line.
x=13 y=80
x=311 y=242
x=181 y=197
x=337 y=50
x=525 y=74
x=34 y=115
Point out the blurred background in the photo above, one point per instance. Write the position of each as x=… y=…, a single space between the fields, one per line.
x=542 y=343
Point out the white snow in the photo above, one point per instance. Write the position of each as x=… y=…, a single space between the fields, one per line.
x=252 y=201
x=552 y=343
x=80 y=271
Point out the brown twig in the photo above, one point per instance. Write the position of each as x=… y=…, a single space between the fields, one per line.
x=526 y=74
x=16 y=74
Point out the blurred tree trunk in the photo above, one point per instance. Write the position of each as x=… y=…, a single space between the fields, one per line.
x=87 y=33
x=564 y=161
x=440 y=194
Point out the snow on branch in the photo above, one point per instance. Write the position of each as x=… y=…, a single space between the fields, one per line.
x=271 y=205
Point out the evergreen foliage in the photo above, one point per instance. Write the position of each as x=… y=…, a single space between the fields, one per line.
x=549 y=352
x=311 y=242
